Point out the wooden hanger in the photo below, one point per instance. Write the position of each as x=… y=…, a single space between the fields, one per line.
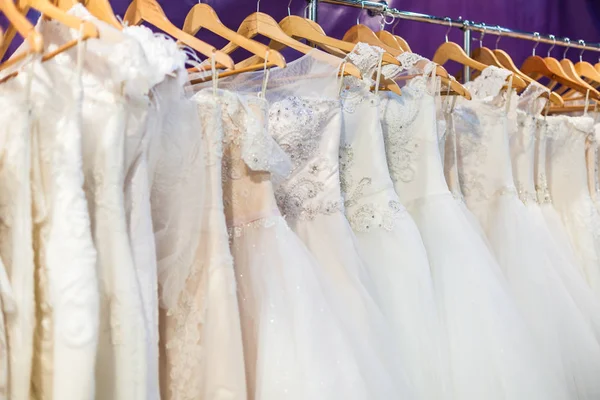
x=535 y=67
x=204 y=16
x=456 y=87
x=259 y=23
x=569 y=68
x=363 y=34
x=587 y=70
x=450 y=51
x=509 y=64
x=25 y=29
x=47 y=9
x=150 y=12
x=485 y=55
x=300 y=28
x=583 y=73
x=100 y=9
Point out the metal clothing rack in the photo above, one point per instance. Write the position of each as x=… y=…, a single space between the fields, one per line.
x=382 y=8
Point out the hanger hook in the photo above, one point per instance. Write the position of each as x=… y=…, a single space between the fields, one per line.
x=581 y=42
x=568 y=45
x=395 y=25
x=482 y=35
x=384 y=20
x=362 y=8
x=536 y=35
x=499 y=36
x=258 y=6
x=449 y=27
x=553 y=44
x=289 y=8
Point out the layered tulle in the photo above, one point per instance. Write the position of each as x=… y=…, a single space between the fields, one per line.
x=566 y=264
x=351 y=292
x=296 y=346
x=527 y=256
x=493 y=355
x=397 y=263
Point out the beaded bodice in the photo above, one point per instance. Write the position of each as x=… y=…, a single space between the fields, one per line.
x=483 y=146
x=305 y=121
x=308 y=130
x=369 y=197
x=411 y=139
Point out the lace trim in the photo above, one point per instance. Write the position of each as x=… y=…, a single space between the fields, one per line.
x=263 y=223
x=296 y=201
x=366 y=59
x=408 y=63
x=530 y=101
x=489 y=83
x=370 y=216
x=401 y=146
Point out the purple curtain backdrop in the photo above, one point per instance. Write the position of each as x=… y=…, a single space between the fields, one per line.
x=577 y=19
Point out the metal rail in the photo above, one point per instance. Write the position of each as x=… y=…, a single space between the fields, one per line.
x=381 y=8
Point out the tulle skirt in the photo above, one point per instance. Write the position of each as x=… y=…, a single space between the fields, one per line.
x=583 y=296
x=529 y=260
x=493 y=355
x=296 y=345
x=397 y=263
x=582 y=223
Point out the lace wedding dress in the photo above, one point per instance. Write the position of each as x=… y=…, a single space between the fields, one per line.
x=388 y=237
x=16 y=247
x=492 y=355
x=567 y=180
x=116 y=79
x=517 y=232
x=571 y=271
x=305 y=120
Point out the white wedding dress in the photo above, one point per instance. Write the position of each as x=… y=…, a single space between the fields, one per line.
x=388 y=237
x=305 y=120
x=571 y=271
x=16 y=246
x=116 y=80
x=567 y=180
x=517 y=232
x=492 y=354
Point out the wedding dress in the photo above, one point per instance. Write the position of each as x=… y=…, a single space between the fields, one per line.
x=201 y=338
x=294 y=345
x=7 y=307
x=517 y=233
x=492 y=355
x=388 y=237
x=582 y=294
x=116 y=81
x=16 y=247
x=567 y=180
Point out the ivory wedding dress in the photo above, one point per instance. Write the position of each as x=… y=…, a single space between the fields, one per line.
x=388 y=237
x=116 y=80
x=567 y=180
x=519 y=240
x=16 y=247
x=492 y=354
x=528 y=152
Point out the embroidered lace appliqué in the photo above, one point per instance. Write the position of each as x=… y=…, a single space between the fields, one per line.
x=297 y=126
